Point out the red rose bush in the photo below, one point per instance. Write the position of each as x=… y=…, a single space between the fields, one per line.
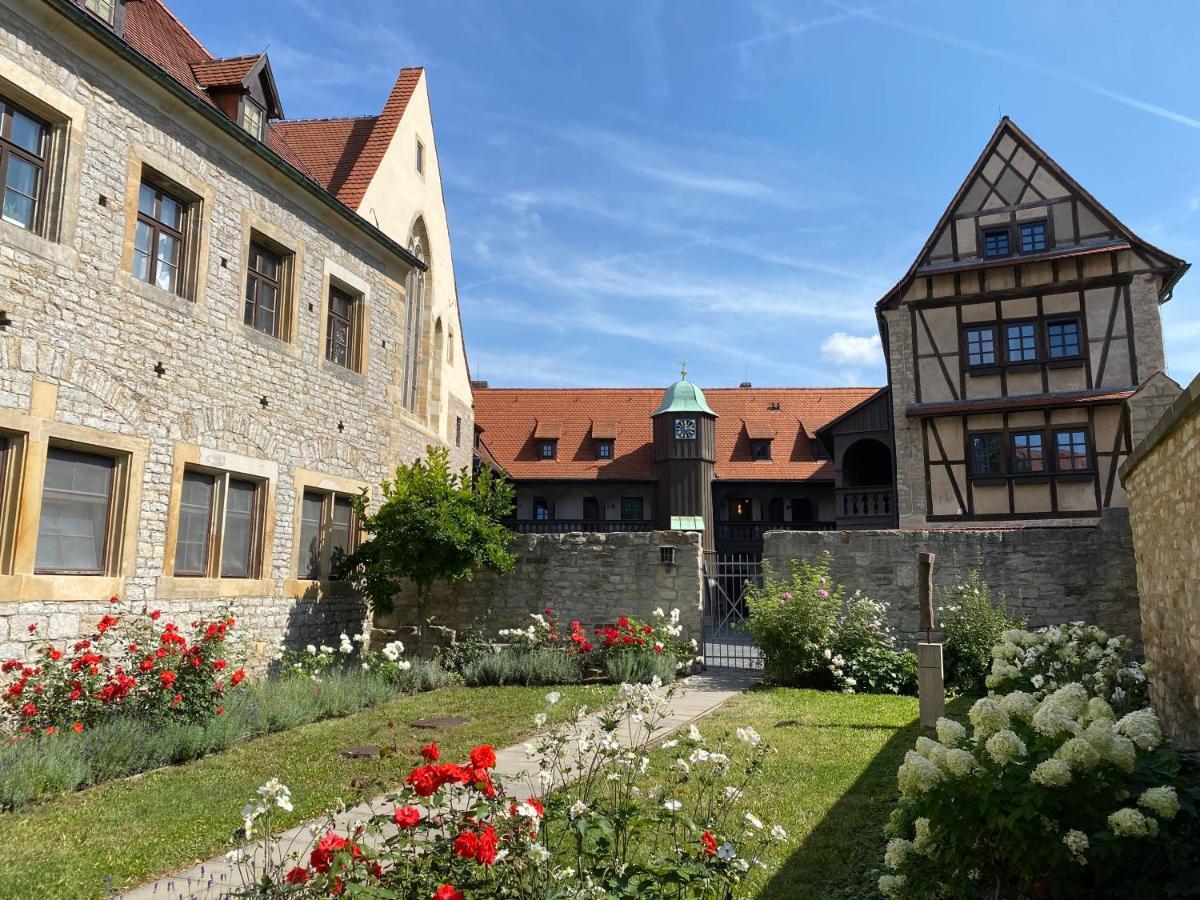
x=134 y=665
x=614 y=817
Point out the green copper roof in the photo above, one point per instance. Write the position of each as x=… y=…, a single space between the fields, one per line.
x=683 y=396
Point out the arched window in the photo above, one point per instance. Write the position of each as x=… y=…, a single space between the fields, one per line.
x=415 y=290
x=435 y=378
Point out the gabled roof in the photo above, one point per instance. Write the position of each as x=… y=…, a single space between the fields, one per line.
x=510 y=419
x=367 y=162
x=328 y=148
x=1174 y=267
x=228 y=72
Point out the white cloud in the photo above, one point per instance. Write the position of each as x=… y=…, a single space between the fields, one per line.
x=852 y=350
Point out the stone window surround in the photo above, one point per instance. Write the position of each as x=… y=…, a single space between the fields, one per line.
x=307 y=480
x=147 y=164
x=192 y=456
x=338 y=276
x=34 y=432
x=272 y=237
x=64 y=164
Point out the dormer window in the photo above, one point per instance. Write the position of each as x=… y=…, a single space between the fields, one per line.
x=760 y=450
x=996 y=242
x=604 y=449
x=1033 y=237
x=252 y=118
x=110 y=12
x=548 y=450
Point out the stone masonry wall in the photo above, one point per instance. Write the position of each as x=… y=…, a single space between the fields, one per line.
x=85 y=339
x=1162 y=477
x=1048 y=575
x=594 y=578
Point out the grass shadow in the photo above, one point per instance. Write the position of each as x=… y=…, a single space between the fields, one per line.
x=843 y=855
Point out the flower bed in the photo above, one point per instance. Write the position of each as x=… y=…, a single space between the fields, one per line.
x=608 y=825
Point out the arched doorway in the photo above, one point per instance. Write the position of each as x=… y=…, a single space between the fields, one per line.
x=867 y=463
x=865 y=496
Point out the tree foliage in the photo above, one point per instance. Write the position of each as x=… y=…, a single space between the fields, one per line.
x=434 y=524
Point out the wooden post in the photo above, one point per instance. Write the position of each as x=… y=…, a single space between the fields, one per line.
x=931 y=683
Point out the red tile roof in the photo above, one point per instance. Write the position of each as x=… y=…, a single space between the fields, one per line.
x=509 y=418
x=1033 y=401
x=224 y=72
x=342 y=155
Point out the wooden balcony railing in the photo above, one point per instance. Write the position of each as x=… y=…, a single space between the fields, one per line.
x=752 y=532
x=872 y=502
x=566 y=526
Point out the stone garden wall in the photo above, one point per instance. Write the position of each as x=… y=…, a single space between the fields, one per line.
x=1048 y=575
x=1162 y=477
x=594 y=578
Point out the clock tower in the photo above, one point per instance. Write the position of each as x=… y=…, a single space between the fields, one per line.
x=685 y=450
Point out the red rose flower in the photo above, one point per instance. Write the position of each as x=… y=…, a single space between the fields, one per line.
x=155 y=614
x=237 y=677
x=159 y=653
x=32 y=627
x=50 y=729
x=29 y=710
x=406 y=816
x=146 y=664
x=220 y=710
x=106 y=623
x=424 y=781
x=466 y=844
x=167 y=678
x=709 y=844
x=447 y=892
x=430 y=752
x=483 y=757
x=77 y=727
x=298 y=875
x=536 y=804
x=485 y=851
x=327 y=848
x=55 y=654
x=219 y=664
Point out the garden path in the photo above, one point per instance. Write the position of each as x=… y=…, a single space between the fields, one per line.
x=696 y=697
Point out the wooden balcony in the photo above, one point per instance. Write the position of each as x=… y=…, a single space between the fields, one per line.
x=872 y=506
x=566 y=526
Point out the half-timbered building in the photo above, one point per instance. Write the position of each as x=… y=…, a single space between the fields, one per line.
x=1028 y=318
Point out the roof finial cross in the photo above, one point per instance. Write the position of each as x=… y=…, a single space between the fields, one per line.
x=683 y=369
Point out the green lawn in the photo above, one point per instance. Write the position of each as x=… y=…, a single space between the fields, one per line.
x=831 y=785
x=122 y=833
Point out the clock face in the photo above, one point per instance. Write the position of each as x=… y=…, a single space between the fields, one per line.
x=685 y=429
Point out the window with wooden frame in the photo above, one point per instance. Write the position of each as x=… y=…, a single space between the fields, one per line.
x=1063 y=339
x=1071 y=450
x=9 y=452
x=159 y=242
x=980 y=345
x=24 y=139
x=541 y=509
x=105 y=10
x=633 y=509
x=987 y=455
x=342 y=329
x=219 y=530
x=329 y=534
x=548 y=449
x=420 y=157
x=760 y=449
x=253 y=118
x=1033 y=236
x=1021 y=342
x=996 y=242
x=80 y=512
x=604 y=448
x=1028 y=453
x=267 y=273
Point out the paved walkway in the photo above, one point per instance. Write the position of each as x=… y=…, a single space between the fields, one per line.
x=697 y=696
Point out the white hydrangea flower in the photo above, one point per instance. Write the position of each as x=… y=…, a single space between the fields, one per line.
x=1122 y=753
x=988 y=717
x=1129 y=822
x=1079 y=754
x=1163 y=801
x=1141 y=727
x=917 y=774
x=1052 y=719
x=1099 y=710
x=1052 y=773
x=949 y=731
x=891 y=885
x=897 y=851
x=1004 y=746
x=959 y=763
x=1019 y=705
x=923 y=839
x=1073 y=698
x=1077 y=843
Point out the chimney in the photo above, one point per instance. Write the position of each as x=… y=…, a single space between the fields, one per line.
x=745 y=384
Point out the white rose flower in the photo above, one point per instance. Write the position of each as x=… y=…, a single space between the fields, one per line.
x=672 y=805
x=578 y=808
x=749 y=736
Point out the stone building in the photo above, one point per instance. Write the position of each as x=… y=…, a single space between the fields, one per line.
x=1028 y=320
x=216 y=325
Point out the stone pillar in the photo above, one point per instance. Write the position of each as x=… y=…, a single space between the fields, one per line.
x=931 y=687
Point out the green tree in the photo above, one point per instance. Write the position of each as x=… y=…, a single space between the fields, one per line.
x=434 y=525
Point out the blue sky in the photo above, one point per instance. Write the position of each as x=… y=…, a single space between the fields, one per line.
x=630 y=182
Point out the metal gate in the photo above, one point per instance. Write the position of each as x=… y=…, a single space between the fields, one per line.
x=726 y=643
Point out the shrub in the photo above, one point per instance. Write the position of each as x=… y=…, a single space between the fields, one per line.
x=1041 y=661
x=38 y=766
x=316 y=662
x=467 y=648
x=128 y=666
x=663 y=636
x=971 y=625
x=793 y=621
x=1057 y=798
x=619 y=830
x=639 y=667
x=523 y=666
x=866 y=644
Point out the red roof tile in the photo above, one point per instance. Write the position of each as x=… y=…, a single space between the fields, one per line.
x=510 y=417
x=155 y=32
x=328 y=147
x=224 y=72
x=367 y=163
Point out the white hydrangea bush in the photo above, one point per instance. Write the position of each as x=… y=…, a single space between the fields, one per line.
x=1041 y=661
x=1051 y=796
